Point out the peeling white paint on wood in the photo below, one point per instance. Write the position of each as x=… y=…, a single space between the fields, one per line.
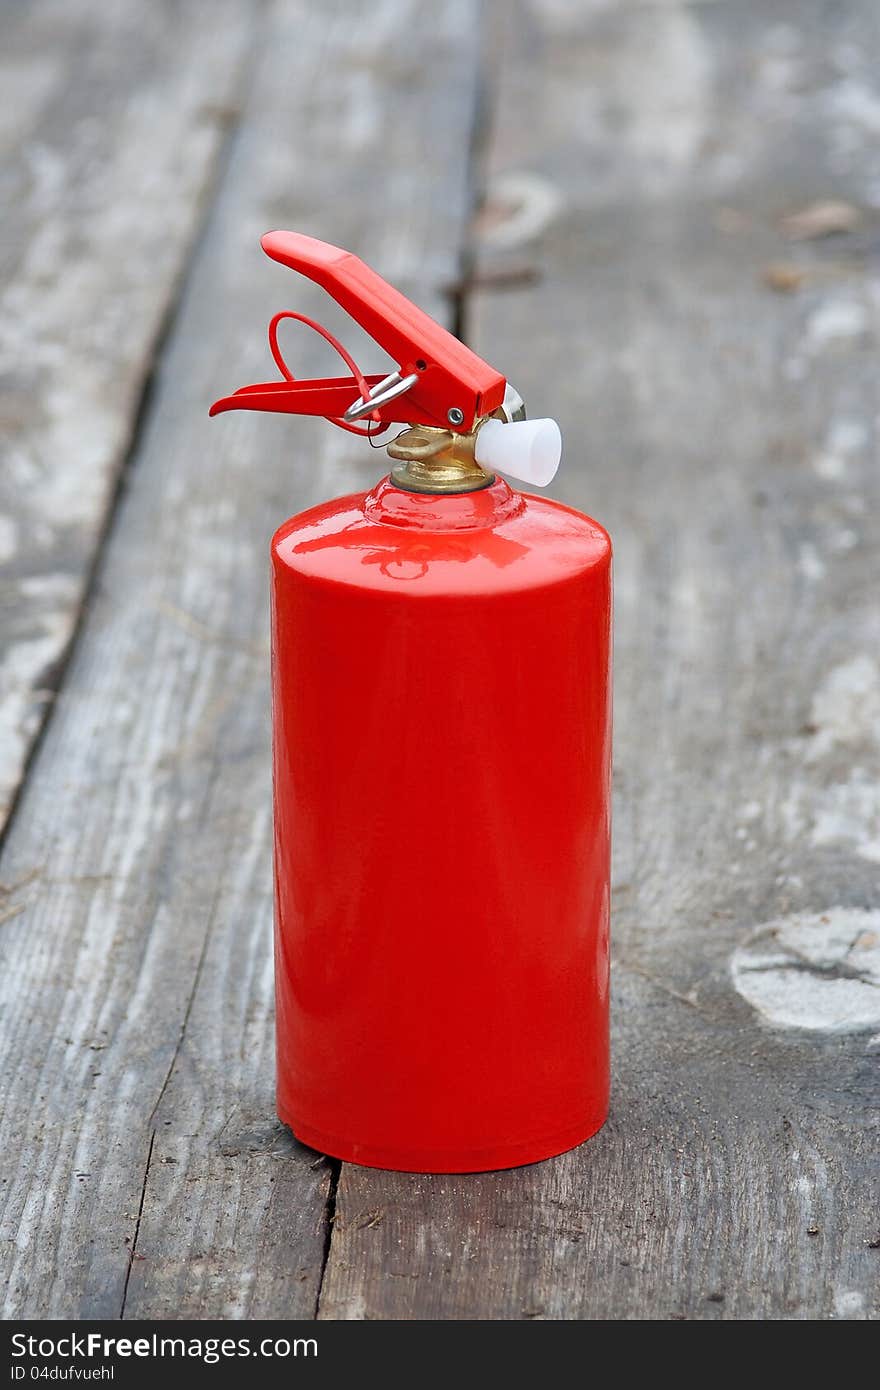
x=836 y=320
x=810 y=563
x=849 y=1303
x=845 y=710
x=528 y=205
x=819 y=971
x=848 y=813
x=845 y=439
x=834 y=794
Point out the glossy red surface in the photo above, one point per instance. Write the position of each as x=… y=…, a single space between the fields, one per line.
x=442 y=760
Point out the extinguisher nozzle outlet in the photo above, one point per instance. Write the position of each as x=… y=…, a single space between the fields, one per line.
x=528 y=450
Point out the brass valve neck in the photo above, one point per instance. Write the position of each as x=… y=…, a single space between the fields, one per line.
x=436 y=460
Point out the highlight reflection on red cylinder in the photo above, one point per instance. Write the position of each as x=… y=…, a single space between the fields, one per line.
x=442 y=761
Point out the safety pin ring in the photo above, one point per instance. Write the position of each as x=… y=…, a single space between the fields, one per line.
x=382 y=393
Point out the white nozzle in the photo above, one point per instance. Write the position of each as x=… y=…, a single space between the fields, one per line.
x=529 y=450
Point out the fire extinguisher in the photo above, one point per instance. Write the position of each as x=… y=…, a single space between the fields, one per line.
x=441 y=718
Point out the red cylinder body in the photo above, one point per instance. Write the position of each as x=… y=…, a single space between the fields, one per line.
x=442 y=761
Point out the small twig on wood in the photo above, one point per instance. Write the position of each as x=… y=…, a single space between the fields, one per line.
x=373 y=1218
x=7 y=888
x=661 y=985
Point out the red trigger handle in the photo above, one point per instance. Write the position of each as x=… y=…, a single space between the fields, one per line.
x=452 y=387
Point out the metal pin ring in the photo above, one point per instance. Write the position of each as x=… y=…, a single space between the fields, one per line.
x=382 y=393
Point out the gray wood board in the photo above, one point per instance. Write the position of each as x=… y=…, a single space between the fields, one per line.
x=113 y=118
x=144 y=1171
x=641 y=160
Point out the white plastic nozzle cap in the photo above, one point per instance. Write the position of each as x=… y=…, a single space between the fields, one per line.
x=528 y=450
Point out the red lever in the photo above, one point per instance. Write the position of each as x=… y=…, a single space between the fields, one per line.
x=451 y=386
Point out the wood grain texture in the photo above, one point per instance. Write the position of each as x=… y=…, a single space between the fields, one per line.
x=109 y=136
x=143 y=1169
x=640 y=162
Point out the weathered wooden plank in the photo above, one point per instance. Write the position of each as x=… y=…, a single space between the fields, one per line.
x=136 y=984
x=726 y=433
x=110 y=131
